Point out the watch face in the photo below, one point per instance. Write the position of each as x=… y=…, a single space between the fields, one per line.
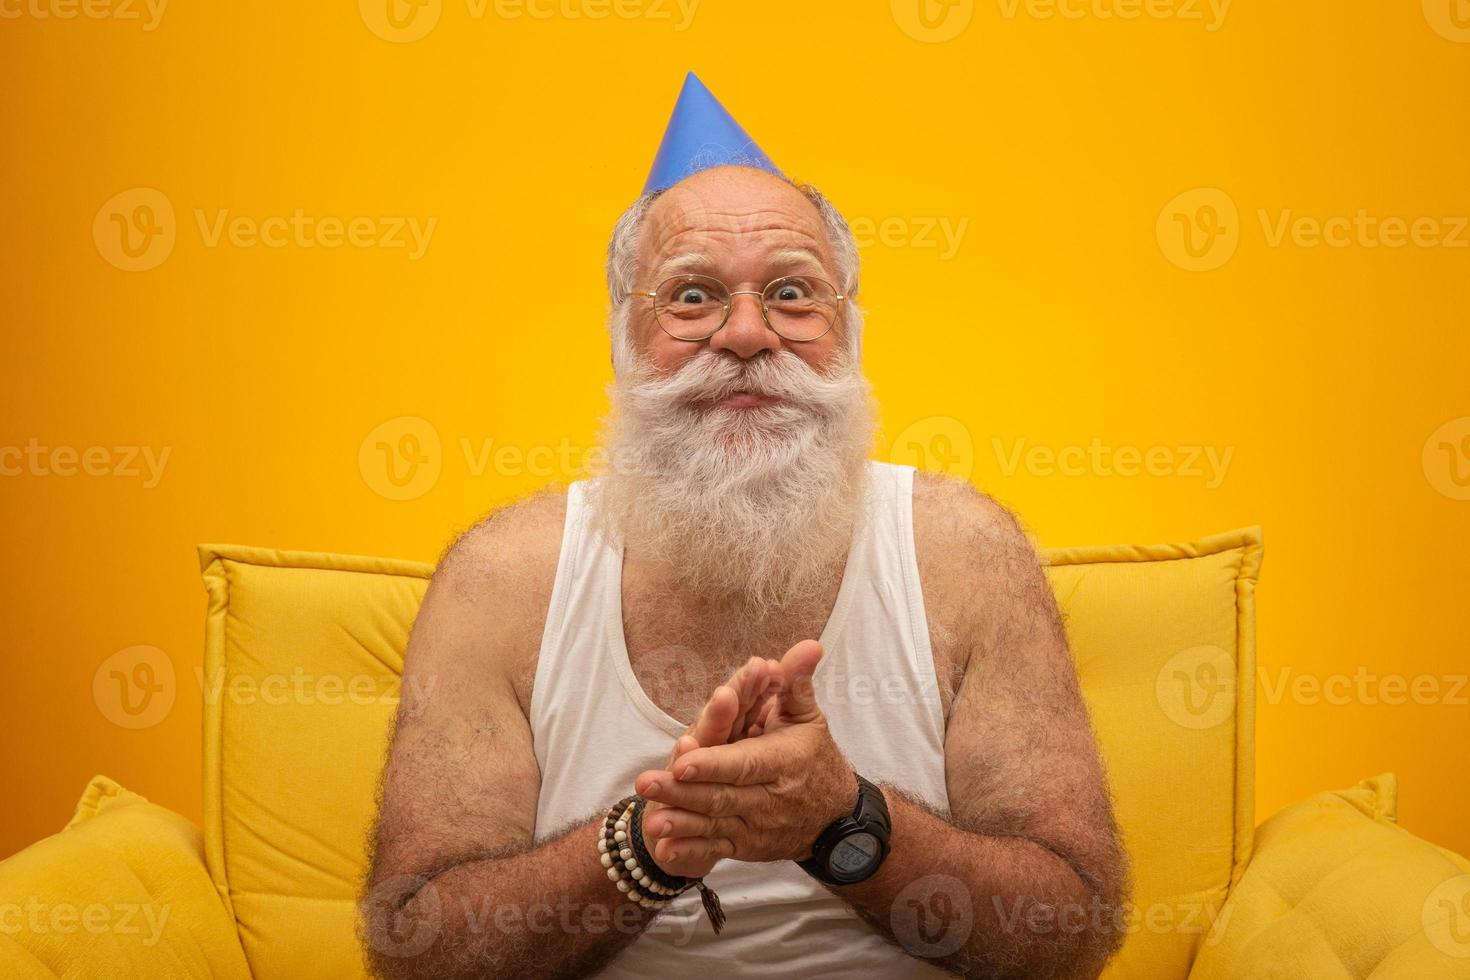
x=854 y=854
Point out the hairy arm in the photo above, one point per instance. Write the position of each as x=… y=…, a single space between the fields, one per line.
x=1027 y=876
x=456 y=888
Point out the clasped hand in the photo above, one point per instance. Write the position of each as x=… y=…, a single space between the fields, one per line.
x=757 y=777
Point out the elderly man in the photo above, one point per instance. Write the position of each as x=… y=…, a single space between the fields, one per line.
x=897 y=776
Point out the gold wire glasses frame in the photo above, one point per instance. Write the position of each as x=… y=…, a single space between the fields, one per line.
x=817 y=293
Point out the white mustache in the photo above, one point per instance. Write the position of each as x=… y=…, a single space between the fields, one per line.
x=711 y=376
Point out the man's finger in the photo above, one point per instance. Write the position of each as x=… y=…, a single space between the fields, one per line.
x=713 y=725
x=684 y=743
x=743 y=763
x=712 y=799
x=750 y=683
x=673 y=821
x=675 y=854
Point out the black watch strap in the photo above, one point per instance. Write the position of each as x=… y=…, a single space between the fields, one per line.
x=869 y=817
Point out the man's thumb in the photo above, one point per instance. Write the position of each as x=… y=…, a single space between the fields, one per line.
x=798 y=693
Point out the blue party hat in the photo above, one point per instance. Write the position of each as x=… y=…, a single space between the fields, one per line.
x=701 y=135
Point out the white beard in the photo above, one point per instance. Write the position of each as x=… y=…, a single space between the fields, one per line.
x=751 y=507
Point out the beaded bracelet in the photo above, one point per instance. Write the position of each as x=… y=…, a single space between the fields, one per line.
x=628 y=864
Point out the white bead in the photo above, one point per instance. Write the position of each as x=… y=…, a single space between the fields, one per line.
x=639 y=876
x=612 y=873
x=621 y=825
x=607 y=860
x=602 y=845
x=625 y=853
x=620 y=836
x=630 y=864
x=622 y=886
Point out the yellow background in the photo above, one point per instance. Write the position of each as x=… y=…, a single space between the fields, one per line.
x=1051 y=147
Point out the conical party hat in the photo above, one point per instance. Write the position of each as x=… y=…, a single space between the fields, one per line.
x=701 y=135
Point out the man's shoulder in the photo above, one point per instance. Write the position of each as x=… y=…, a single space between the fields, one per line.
x=513 y=548
x=961 y=524
x=977 y=564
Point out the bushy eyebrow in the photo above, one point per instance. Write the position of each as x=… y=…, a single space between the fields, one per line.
x=685 y=263
x=792 y=257
x=688 y=263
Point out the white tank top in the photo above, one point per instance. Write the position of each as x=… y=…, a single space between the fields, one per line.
x=595 y=729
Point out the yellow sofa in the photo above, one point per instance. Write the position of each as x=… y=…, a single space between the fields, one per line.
x=301 y=664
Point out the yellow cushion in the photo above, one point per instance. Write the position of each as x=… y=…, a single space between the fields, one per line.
x=1164 y=638
x=303 y=653
x=121 y=892
x=1337 y=890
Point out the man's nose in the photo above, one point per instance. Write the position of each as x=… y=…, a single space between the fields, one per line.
x=745 y=334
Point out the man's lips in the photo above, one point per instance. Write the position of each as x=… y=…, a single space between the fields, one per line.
x=747 y=399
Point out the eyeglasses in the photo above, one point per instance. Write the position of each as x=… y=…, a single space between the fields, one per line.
x=797 y=308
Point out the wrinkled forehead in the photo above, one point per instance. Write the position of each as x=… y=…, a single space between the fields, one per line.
x=738 y=221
